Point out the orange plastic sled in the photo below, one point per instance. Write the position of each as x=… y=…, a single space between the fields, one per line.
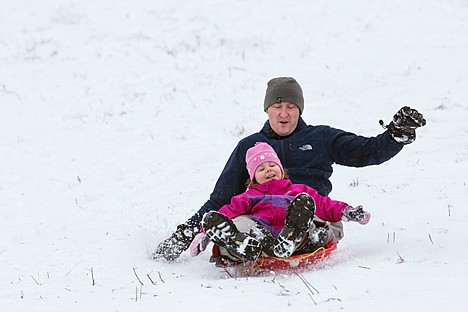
x=294 y=262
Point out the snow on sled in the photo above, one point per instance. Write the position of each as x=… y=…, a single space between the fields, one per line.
x=266 y=264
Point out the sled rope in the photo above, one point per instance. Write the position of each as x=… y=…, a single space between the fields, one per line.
x=261 y=261
x=304 y=256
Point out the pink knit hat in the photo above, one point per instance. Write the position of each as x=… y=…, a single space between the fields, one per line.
x=258 y=154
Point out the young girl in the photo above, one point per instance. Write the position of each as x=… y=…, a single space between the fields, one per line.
x=282 y=213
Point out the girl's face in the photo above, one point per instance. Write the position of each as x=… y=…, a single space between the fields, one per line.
x=267 y=172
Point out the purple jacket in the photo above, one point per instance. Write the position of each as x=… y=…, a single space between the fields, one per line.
x=268 y=202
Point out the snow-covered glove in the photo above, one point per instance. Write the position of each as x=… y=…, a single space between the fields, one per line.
x=199 y=244
x=404 y=124
x=319 y=235
x=356 y=214
x=178 y=242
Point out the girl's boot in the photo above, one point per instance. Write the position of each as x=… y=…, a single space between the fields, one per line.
x=223 y=232
x=299 y=217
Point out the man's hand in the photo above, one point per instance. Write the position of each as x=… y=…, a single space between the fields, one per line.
x=178 y=242
x=404 y=124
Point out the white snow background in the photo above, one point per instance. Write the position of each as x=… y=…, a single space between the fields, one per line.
x=116 y=118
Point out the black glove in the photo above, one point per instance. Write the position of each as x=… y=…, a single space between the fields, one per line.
x=178 y=242
x=403 y=126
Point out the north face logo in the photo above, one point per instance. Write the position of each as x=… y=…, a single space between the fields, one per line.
x=306 y=147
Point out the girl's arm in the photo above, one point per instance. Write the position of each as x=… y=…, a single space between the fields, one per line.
x=325 y=207
x=239 y=206
x=334 y=210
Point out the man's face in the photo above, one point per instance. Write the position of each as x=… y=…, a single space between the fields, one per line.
x=283 y=117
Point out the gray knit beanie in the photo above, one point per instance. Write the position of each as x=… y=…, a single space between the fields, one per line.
x=284 y=89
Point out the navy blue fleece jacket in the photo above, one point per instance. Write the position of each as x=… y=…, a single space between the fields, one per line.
x=308 y=154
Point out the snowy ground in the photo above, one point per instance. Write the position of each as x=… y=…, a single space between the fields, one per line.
x=116 y=118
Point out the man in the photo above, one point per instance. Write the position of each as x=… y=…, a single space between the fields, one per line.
x=307 y=152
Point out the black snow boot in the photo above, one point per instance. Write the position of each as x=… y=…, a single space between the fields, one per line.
x=223 y=232
x=298 y=222
x=265 y=238
x=316 y=239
